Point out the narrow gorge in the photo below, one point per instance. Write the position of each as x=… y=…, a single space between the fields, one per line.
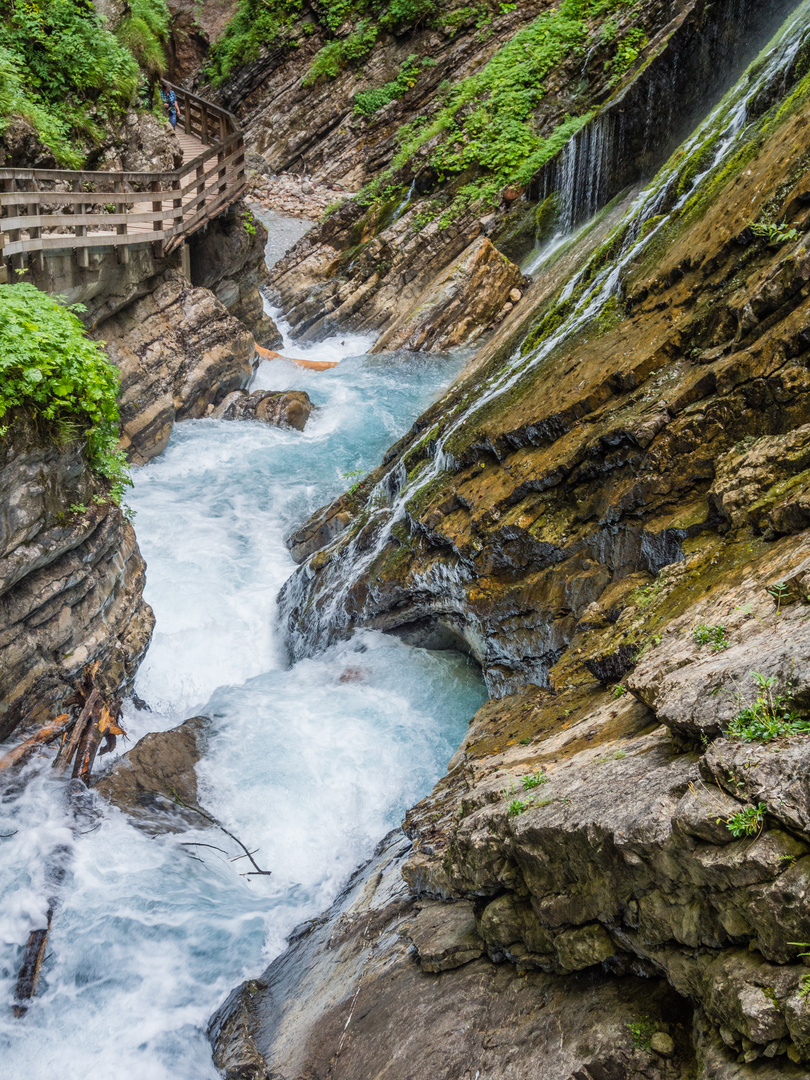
x=405 y=540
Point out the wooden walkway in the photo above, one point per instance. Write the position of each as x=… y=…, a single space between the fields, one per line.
x=44 y=210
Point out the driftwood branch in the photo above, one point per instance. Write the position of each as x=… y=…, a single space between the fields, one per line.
x=46 y=734
x=257 y=870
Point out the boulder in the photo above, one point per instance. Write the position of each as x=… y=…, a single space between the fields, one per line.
x=282 y=408
x=153 y=779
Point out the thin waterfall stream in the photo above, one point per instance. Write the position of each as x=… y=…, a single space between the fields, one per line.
x=311 y=764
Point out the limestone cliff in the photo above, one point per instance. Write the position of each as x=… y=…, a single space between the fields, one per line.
x=610 y=512
x=642 y=72
x=71 y=580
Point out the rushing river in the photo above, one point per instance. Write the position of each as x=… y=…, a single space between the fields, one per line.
x=310 y=764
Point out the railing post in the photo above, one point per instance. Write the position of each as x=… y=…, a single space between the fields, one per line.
x=177 y=202
x=82 y=254
x=240 y=161
x=157 y=226
x=221 y=173
x=203 y=123
x=15 y=261
x=187 y=114
x=200 y=203
x=121 y=229
x=223 y=129
x=34 y=232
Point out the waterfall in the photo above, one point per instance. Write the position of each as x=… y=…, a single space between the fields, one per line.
x=318 y=615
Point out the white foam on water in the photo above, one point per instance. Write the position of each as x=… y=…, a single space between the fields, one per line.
x=310 y=765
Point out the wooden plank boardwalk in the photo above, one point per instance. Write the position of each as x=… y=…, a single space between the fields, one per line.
x=45 y=210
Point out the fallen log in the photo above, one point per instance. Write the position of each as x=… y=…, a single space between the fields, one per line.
x=29 y=969
x=45 y=735
x=312 y=365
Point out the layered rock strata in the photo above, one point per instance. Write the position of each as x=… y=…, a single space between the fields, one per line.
x=613 y=522
x=178 y=351
x=71 y=581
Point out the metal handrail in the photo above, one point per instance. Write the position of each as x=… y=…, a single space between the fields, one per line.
x=121 y=209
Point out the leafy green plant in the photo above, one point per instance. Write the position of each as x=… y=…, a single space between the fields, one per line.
x=641 y=1032
x=338 y=54
x=52 y=372
x=619 y=691
x=768 y=717
x=628 y=51
x=368 y=102
x=716 y=636
x=534 y=780
x=515 y=807
x=774 y=232
x=747 y=822
x=145 y=31
x=249 y=223
x=780 y=593
x=66 y=74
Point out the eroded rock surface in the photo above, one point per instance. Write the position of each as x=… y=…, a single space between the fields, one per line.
x=71 y=581
x=178 y=351
x=327 y=1004
x=614 y=525
x=465 y=300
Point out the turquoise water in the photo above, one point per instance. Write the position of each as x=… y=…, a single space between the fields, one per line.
x=311 y=765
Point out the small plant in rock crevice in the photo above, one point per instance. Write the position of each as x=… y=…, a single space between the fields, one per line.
x=774 y=232
x=716 y=636
x=768 y=717
x=534 y=780
x=641 y=1032
x=747 y=822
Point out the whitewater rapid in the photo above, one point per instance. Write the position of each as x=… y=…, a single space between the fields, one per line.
x=311 y=765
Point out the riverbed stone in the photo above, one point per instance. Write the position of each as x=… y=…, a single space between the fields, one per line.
x=282 y=408
x=155 y=782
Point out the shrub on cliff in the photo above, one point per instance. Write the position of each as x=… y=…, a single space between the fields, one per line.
x=64 y=72
x=51 y=371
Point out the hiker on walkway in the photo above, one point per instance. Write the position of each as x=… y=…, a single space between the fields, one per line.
x=169 y=100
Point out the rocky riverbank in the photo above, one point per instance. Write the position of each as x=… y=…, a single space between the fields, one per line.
x=609 y=514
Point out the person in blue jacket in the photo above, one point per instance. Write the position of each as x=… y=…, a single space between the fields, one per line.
x=169 y=100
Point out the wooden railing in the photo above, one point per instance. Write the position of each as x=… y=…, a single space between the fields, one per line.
x=59 y=209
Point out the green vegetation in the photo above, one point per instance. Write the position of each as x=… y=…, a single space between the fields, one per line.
x=64 y=73
x=768 y=717
x=340 y=53
x=51 y=372
x=262 y=23
x=641 y=1032
x=515 y=807
x=368 y=102
x=779 y=592
x=747 y=822
x=619 y=690
x=774 y=232
x=716 y=636
x=144 y=31
x=534 y=780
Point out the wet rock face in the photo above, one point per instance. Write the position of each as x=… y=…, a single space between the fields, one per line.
x=177 y=351
x=352 y=993
x=620 y=538
x=463 y=302
x=71 y=581
x=153 y=779
x=283 y=408
x=228 y=258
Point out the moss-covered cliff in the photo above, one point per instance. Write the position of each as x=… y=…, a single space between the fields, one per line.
x=610 y=513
